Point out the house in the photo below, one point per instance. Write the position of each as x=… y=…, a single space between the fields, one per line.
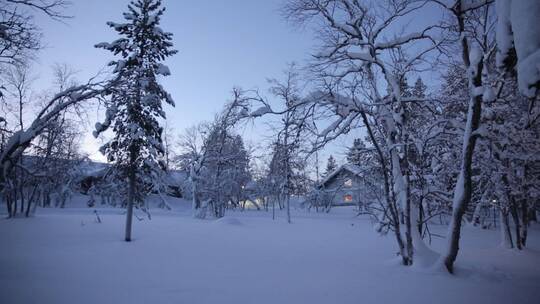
x=93 y=175
x=345 y=186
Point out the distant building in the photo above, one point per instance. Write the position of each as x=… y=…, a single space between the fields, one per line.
x=348 y=185
x=344 y=186
x=93 y=175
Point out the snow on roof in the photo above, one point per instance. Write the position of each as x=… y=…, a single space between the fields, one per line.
x=354 y=169
x=92 y=168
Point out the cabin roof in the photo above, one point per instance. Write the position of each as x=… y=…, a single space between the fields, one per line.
x=353 y=169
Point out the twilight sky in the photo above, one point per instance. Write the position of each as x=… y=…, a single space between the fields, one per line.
x=221 y=44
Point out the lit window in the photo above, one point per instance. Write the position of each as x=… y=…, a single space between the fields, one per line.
x=348 y=183
x=347 y=198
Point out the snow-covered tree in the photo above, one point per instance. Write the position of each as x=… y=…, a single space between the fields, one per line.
x=476 y=42
x=190 y=145
x=208 y=142
x=507 y=164
x=225 y=172
x=284 y=168
x=291 y=130
x=331 y=165
x=19 y=141
x=134 y=108
x=419 y=88
x=360 y=155
x=518 y=43
x=363 y=69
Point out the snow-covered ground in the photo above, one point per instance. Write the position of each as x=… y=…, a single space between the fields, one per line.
x=66 y=256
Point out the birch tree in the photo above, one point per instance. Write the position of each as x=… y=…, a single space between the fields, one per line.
x=475 y=49
x=19 y=141
x=20 y=37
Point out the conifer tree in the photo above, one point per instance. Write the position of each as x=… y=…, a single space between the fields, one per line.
x=357 y=154
x=419 y=88
x=134 y=107
x=331 y=165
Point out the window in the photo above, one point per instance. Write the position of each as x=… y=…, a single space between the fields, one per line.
x=348 y=183
x=347 y=198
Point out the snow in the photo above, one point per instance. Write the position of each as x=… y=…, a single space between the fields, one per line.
x=151 y=19
x=66 y=256
x=261 y=111
x=331 y=127
x=524 y=16
x=365 y=56
x=163 y=70
x=472 y=4
x=475 y=56
x=399 y=40
x=229 y=221
x=505 y=41
x=517 y=23
x=120 y=64
x=477 y=91
x=355 y=170
x=489 y=94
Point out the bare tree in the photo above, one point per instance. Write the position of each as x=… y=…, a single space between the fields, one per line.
x=19 y=36
x=191 y=159
x=17 y=84
x=168 y=145
x=19 y=141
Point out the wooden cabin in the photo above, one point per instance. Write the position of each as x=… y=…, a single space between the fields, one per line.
x=344 y=186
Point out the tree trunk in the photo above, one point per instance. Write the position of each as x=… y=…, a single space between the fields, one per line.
x=27 y=214
x=524 y=222
x=420 y=216
x=463 y=188
x=9 y=205
x=15 y=199
x=288 y=209
x=195 y=201
x=131 y=195
x=506 y=234
x=390 y=202
x=131 y=191
x=532 y=217
x=273 y=209
x=21 y=189
x=408 y=225
x=517 y=224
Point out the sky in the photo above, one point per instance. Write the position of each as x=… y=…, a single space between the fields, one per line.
x=221 y=44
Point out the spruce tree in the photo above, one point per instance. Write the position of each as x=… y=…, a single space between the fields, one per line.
x=135 y=105
x=404 y=87
x=331 y=165
x=354 y=155
x=362 y=156
x=419 y=88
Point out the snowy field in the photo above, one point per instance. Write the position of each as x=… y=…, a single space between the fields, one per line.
x=66 y=256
